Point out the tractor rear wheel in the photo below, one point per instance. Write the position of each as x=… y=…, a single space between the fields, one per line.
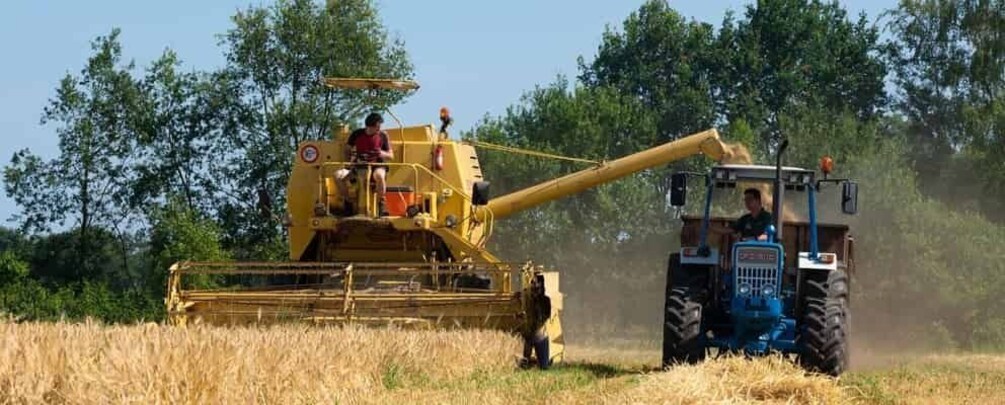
x=823 y=341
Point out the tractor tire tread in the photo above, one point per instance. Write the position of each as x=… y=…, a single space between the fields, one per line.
x=682 y=327
x=823 y=340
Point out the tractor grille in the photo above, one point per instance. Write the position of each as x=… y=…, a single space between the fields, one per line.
x=757 y=265
x=756 y=277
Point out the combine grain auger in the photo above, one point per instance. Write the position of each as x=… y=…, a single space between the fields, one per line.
x=422 y=265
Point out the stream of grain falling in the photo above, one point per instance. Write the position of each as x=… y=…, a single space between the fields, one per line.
x=736 y=153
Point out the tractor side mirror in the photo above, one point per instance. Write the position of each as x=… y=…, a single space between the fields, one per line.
x=678 y=189
x=480 y=193
x=849 y=198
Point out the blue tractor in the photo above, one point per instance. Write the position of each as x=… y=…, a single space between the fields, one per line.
x=783 y=295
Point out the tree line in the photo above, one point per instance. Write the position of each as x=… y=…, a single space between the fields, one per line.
x=166 y=162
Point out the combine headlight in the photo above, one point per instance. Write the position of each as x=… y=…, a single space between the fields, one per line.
x=743 y=289
x=768 y=290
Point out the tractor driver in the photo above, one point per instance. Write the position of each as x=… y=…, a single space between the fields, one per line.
x=372 y=147
x=752 y=225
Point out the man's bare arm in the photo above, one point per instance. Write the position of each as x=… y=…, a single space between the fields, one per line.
x=389 y=153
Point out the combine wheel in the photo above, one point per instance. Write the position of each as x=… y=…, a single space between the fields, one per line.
x=823 y=342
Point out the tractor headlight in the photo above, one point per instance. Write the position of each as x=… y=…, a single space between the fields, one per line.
x=743 y=289
x=768 y=290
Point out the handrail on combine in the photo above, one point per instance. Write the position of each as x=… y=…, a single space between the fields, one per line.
x=488 y=216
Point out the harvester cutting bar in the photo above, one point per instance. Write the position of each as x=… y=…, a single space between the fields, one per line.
x=458 y=294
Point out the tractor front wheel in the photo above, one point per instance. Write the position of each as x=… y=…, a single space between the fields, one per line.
x=823 y=341
x=682 y=327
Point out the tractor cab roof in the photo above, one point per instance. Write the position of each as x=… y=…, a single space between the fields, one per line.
x=791 y=176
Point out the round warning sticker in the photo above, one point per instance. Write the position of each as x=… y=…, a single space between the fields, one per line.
x=309 y=153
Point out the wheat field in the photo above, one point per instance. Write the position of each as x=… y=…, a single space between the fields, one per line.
x=89 y=363
x=85 y=363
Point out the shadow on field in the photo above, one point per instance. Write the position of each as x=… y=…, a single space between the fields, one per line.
x=603 y=371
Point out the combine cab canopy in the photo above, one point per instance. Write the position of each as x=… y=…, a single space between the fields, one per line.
x=369 y=84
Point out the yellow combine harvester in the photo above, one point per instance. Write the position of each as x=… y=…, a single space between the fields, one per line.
x=424 y=264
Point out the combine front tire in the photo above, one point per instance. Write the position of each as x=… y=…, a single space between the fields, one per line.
x=823 y=340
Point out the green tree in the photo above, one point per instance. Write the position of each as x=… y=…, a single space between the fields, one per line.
x=88 y=182
x=781 y=55
x=12 y=240
x=12 y=268
x=668 y=63
x=180 y=233
x=798 y=53
x=179 y=139
x=55 y=258
x=948 y=59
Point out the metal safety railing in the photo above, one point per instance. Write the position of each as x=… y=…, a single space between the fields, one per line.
x=365 y=194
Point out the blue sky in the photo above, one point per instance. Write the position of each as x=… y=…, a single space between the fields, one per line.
x=475 y=57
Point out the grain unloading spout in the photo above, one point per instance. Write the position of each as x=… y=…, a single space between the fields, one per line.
x=706 y=142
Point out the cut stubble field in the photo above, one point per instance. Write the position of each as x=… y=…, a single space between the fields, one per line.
x=91 y=363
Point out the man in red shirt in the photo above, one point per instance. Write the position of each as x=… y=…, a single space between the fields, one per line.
x=372 y=147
